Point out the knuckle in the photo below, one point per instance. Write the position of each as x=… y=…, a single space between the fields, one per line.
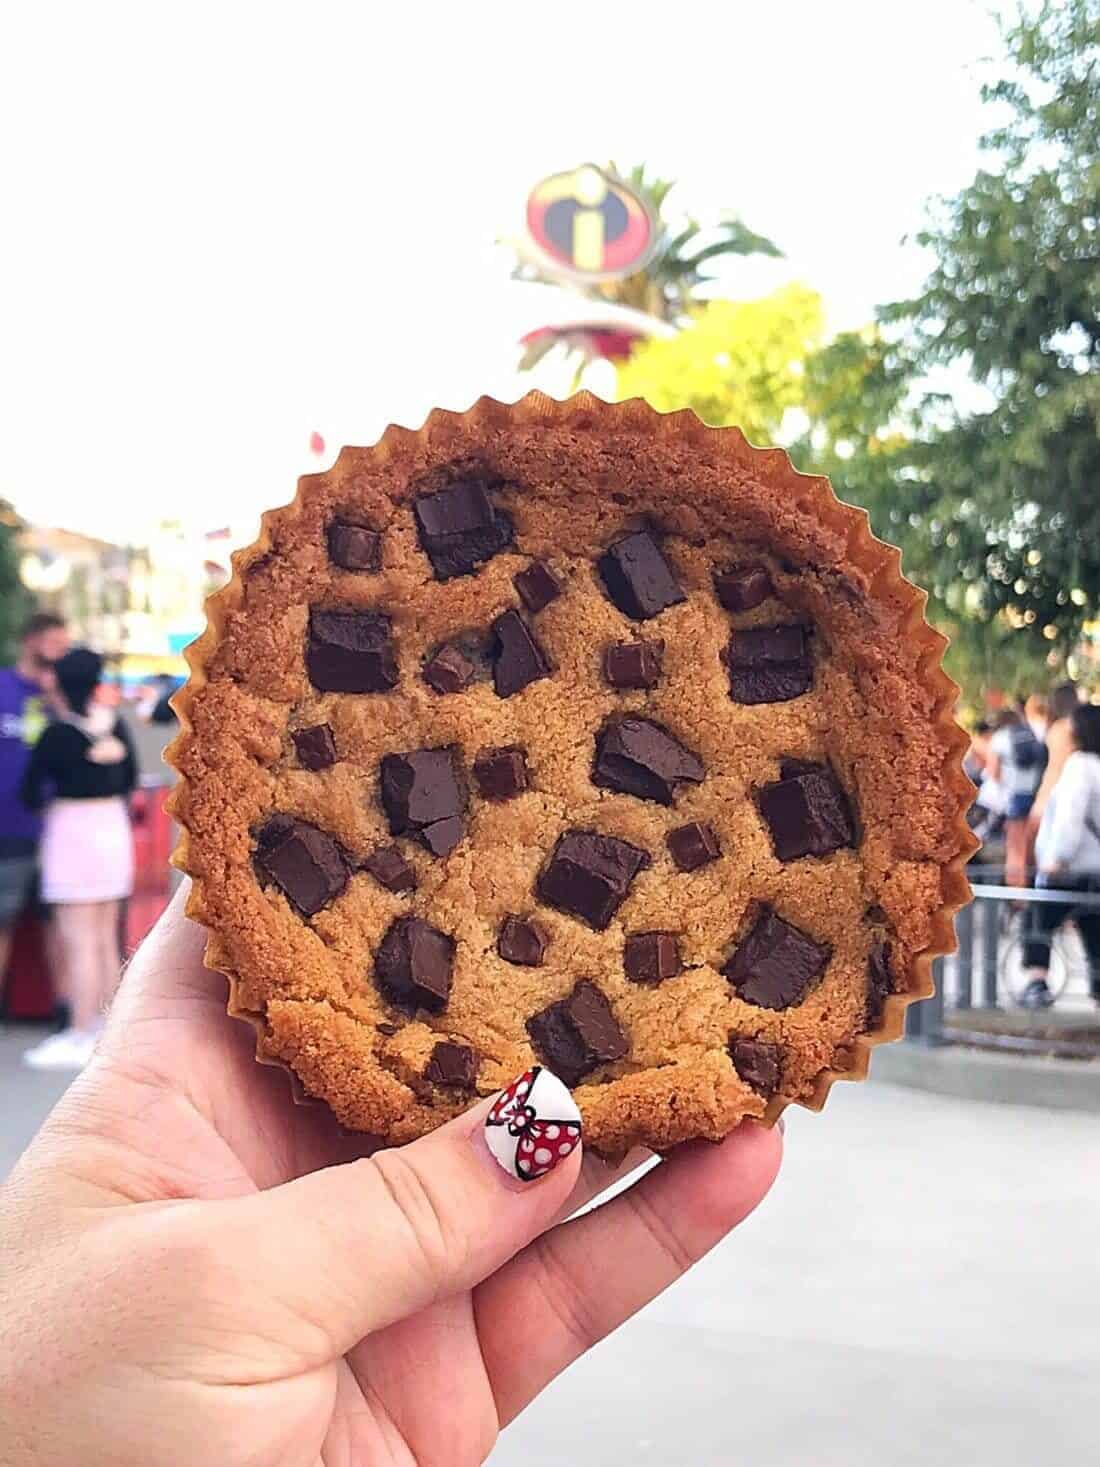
x=664 y=1235
x=565 y=1297
x=439 y=1247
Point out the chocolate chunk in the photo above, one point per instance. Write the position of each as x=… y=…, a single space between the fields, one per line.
x=757 y=1062
x=442 y=836
x=742 y=587
x=452 y=1064
x=762 y=646
x=880 y=984
x=459 y=528
x=389 y=1030
x=308 y=865
x=692 y=846
x=522 y=942
x=390 y=869
x=354 y=547
x=777 y=684
x=501 y=774
x=448 y=670
x=590 y=1014
x=791 y=768
x=351 y=652
x=769 y=664
x=807 y=812
x=559 y=1044
x=651 y=957
x=274 y=828
x=413 y=965
x=588 y=875
x=517 y=657
x=315 y=746
x=577 y=1033
x=422 y=796
x=537 y=586
x=776 y=965
x=633 y=664
x=638 y=578
x=636 y=756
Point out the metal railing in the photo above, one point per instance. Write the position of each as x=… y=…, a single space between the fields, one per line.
x=978 y=979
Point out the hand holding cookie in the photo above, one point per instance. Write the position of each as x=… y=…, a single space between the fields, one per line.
x=194 y=1269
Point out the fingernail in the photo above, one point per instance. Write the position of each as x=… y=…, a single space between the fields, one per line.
x=533 y=1125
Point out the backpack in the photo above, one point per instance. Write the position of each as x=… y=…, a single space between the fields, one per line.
x=1027 y=752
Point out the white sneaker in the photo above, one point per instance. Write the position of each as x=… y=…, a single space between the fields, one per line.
x=69 y=1050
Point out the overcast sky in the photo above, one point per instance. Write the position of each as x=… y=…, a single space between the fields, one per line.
x=225 y=225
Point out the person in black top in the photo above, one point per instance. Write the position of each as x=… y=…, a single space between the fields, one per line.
x=82 y=771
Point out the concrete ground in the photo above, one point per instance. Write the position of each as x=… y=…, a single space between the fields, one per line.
x=922 y=1289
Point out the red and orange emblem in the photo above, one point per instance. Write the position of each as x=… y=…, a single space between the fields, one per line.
x=588 y=223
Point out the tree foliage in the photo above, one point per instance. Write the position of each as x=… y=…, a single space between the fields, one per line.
x=1004 y=502
x=735 y=362
x=683 y=267
x=14 y=601
x=967 y=421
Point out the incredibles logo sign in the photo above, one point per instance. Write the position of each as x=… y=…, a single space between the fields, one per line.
x=589 y=225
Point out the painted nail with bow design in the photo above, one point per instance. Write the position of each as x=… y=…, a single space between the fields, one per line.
x=533 y=1125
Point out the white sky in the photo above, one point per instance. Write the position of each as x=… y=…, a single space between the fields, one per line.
x=223 y=225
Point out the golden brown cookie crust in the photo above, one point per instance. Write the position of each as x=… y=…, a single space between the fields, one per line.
x=574 y=477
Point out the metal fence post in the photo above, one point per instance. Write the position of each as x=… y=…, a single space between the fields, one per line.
x=964 y=968
x=924 y=1020
x=990 y=952
x=964 y=961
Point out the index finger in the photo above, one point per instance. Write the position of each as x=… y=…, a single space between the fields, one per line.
x=581 y=1280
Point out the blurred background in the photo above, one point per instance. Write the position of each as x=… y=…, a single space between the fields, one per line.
x=236 y=237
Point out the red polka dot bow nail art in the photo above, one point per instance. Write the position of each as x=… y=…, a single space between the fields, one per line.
x=533 y=1125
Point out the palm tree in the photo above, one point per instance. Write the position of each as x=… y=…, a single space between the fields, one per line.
x=676 y=277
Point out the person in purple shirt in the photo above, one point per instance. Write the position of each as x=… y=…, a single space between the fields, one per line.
x=25 y=708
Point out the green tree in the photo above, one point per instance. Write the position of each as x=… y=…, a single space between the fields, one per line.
x=1003 y=503
x=996 y=508
x=14 y=601
x=734 y=362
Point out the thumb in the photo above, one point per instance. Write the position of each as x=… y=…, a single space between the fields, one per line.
x=353 y=1248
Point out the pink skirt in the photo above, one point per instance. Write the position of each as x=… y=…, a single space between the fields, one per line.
x=87 y=852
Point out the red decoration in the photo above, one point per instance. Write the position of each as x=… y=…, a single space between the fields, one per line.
x=542 y=1143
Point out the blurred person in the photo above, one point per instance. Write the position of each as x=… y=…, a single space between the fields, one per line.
x=27 y=691
x=83 y=770
x=163 y=712
x=1036 y=714
x=1016 y=761
x=1068 y=849
x=1061 y=702
x=977 y=756
x=987 y=816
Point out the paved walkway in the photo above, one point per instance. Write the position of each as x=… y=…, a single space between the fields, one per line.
x=921 y=1290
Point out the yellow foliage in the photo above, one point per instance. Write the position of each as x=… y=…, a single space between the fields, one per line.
x=737 y=362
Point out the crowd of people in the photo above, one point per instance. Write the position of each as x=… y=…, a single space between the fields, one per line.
x=1037 y=768
x=67 y=770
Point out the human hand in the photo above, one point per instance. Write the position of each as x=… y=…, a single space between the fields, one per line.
x=194 y=1269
